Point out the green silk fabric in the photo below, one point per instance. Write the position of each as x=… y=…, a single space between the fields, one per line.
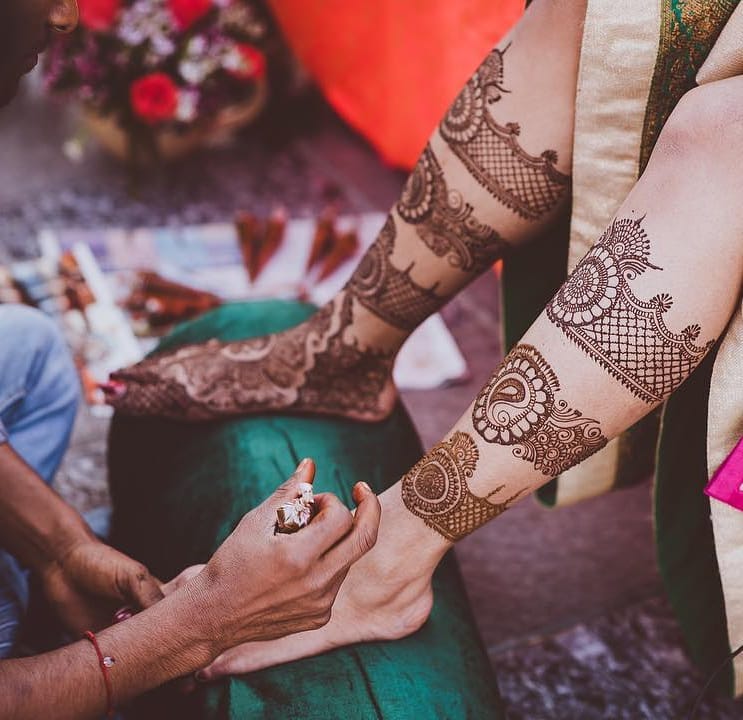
x=179 y=489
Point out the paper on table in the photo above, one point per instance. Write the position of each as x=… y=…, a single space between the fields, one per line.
x=208 y=257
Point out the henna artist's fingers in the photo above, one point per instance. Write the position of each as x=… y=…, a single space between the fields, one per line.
x=363 y=534
x=288 y=490
x=257 y=655
x=330 y=525
x=145 y=589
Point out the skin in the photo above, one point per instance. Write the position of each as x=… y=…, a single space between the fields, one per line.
x=414 y=262
x=25 y=30
x=692 y=222
x=291 y=586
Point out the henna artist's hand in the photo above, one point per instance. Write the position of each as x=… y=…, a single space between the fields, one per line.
x=308 y=368
x=261 y=585
x=91 y=580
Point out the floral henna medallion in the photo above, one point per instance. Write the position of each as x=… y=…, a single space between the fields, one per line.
x=389 y=293
x=518 y=407
x=529 y=185
x=444 y=220
x=599 y=312
x=436 y=489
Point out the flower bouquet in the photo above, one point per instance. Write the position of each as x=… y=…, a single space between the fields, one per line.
x=158 y=77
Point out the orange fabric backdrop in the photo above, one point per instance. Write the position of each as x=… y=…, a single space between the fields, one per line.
x=391 y=67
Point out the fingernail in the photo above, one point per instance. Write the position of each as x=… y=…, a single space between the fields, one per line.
x=201 y=676
x=365 y=487
x=303 y=464
x=123 y=613
x=113 y=388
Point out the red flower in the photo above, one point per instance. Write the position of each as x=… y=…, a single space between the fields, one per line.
x=188 y=12
x=246 y=63
x=154 y=98
x=98 y=15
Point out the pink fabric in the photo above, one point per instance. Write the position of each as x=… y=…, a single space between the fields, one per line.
x=726 y=482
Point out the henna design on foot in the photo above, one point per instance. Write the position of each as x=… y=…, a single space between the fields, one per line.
x=436 y=489
x=518 y=407
x=628 y=337
x=389 y=293
x=444 y=220
x=529 y=185
x=344 y=377
x=309 y=368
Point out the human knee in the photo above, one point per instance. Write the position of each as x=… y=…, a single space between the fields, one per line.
x=36 y=352
x=708 y=118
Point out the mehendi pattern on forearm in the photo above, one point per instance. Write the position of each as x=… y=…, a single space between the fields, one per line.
x=519 y=407
x=445 y=221
x=529 y=185
x=389 y=293
x=599 y=312
x=436 y=489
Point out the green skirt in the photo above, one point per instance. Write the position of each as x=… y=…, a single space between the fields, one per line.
x=178 y=490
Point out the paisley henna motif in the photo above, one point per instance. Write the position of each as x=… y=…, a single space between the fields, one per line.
x=519 y=407
x=529 y=185
x=444 y=221
x=436 y=490
x=599 y=312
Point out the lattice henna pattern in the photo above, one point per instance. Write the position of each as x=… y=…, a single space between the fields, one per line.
x=389 y=293
x=599 y=312
x=445 y=221
x=518 y=407
x=529 y=185
x=436 y=489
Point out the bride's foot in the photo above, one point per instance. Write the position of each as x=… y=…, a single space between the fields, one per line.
x=319 y=366
x=387 y=595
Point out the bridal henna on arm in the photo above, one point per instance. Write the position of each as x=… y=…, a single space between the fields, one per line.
x=529 y=185
x=519 y=407
x=436 y=489
x=599 y=312
x=445 y=221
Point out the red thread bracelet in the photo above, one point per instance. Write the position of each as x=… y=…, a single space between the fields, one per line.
x=105 y=663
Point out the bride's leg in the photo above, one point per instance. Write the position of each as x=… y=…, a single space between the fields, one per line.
x=629 y=325
x=495 y=172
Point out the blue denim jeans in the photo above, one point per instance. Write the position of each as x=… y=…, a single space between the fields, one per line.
x=39 y=395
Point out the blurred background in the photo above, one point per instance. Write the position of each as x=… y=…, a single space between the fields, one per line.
x=170 y=156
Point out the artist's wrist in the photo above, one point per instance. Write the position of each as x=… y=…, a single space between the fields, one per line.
x=200 y=607
x=56 y=537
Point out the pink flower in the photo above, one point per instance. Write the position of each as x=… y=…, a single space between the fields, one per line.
x=154 y=98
